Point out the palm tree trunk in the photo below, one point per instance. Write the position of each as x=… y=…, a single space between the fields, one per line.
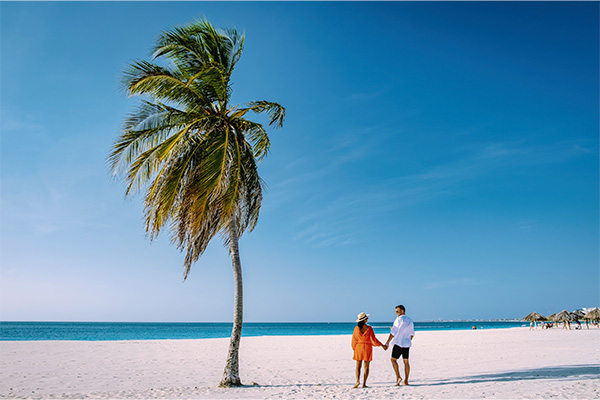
x=231 y=375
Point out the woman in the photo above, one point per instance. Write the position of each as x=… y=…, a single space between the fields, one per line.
x=363 y=340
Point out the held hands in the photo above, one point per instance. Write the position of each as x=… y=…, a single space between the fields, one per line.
x=385 y=346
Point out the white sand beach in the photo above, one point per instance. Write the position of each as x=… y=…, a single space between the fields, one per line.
x=505 y=363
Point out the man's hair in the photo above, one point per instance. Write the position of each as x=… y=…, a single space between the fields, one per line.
x=401 y=307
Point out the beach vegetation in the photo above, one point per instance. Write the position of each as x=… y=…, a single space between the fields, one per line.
x=192 y=153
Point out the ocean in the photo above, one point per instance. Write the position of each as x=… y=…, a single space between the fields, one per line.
x=94 y=331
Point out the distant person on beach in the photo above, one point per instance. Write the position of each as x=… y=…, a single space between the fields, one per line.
x=363 y=340
x=401 y=337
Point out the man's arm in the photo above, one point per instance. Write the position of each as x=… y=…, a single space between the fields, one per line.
x=389 y=339
x=394 y=332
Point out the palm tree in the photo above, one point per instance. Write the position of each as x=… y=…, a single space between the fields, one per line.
x=192 y=153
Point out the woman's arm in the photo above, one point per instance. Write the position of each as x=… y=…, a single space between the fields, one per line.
x=373 y=338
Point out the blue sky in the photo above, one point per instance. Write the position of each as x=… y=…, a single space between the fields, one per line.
x=440 y=155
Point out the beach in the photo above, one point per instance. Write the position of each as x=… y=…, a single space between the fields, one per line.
x=510 y=363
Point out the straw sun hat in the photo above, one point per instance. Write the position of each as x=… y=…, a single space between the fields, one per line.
x=362 y=316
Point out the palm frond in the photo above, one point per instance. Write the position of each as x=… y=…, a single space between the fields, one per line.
x=212 y=82
x=256 y=135
x=143 y=77
x=237 y=44
x=145 y=128
x=182 y=47
x=276 y=111
x=253 y=187
x=199 y=43
x=145 y=165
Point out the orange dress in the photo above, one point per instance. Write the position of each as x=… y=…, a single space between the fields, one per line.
x=362 y=344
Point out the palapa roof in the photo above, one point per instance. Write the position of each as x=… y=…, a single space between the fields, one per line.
x=564 y=315
x=534 y=316
x=594 y=314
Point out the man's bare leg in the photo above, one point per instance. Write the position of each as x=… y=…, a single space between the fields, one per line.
x=358 y=365
x=406 y=371
x=396 y=370
x=367 y=363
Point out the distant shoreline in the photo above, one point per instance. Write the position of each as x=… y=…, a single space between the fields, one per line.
x=103 y=331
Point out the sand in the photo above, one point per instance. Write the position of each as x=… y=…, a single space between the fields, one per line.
x=502 y=363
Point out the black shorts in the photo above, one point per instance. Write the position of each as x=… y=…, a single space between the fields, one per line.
x=398 y=351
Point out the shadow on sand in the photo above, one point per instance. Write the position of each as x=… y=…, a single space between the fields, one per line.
x=588 y=371
x=582 y=372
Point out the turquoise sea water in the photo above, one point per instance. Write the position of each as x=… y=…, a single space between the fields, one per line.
x=156 y=330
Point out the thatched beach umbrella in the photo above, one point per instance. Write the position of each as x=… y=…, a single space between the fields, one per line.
x=573 y=317
x=552 y=317
x=534 y=317
x=578 y=314
x=594 y=315
x=564 y=315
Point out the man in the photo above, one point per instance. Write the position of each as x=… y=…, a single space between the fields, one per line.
x=401 y=336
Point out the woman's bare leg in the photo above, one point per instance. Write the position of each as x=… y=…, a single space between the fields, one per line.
x=366 y=375
x=358 y=364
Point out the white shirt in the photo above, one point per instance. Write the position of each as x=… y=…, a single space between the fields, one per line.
x=402 y=331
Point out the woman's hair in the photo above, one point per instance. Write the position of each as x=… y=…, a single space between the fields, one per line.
x=362 y=323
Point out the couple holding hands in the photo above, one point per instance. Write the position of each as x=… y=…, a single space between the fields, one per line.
x=363 y=340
